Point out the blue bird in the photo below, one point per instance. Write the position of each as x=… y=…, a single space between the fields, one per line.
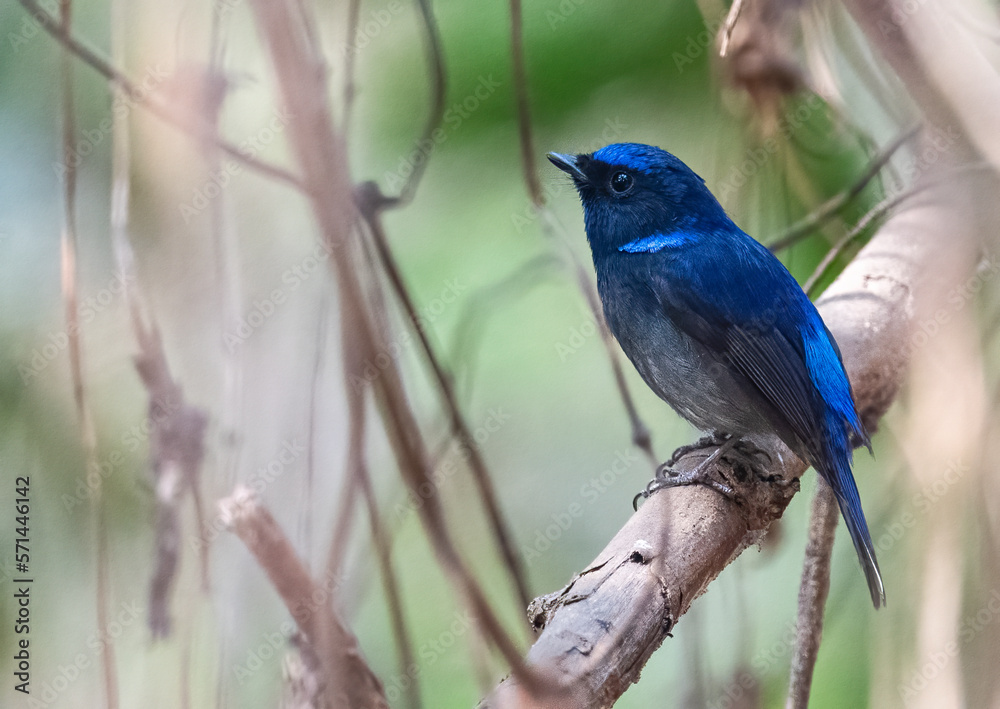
x=713 y=322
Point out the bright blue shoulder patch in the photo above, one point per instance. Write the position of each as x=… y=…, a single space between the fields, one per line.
x=657 y=242
x=827 y=373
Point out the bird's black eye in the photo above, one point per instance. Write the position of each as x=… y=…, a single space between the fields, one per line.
x=621 y=182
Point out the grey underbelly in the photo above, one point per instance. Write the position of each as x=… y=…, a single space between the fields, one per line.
x=687 y=376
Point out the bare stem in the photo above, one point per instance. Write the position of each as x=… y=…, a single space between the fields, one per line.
x=137 y=95
x=813 y=591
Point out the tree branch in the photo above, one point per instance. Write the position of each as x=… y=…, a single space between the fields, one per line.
x=71 y=310
x=158 y=108
x=799 y=231
x=640 y=433
x=321 y=154
x=813 y=590
x=328 y=640
x=531 y=180
x=460 y=428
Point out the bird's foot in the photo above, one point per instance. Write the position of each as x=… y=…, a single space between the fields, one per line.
x=744 y=460
x=715 y=440
x=667 y=477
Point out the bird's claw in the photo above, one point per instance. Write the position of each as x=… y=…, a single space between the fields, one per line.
x=738 y=453
x=713 y=441
x=748 y=456
x=700 y=475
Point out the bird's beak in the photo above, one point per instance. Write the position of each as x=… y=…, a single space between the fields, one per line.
x=567 y=163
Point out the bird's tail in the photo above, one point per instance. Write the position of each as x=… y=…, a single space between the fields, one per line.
x=837 y=472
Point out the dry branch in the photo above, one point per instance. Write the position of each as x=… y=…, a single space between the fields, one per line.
x=135 y=93
x=71 y=309
x=460 y=428
x=176 y=451
x=640 y=433
x=598 y=632
x=813 y=590
x=320 y=153
x=345 y=680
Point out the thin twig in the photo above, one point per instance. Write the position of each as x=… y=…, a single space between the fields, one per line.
x=176 y=428
x=352 y=362
x=825 y=211
x=459 y=426
x=176 y=447
x=69 y=240
x=157 y=108
x=343 y=522
x=176 y=451
x=824 y=265
x=321 y=155
x=531 y=180
x=400 y=631
x=410 y=450
x=319 y=356
x=227 y=283
x=732 y=17
x=411 y=456
x=878 y=211
x=355 y=387
x=435 y=55
x=85 y=420
x=357 y=470
x=813 y=591
x=350 y=90
x=640 y=433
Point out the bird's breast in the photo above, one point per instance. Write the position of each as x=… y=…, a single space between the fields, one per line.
x=678 y=368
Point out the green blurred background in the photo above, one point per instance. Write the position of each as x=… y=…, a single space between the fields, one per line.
x=532 y=373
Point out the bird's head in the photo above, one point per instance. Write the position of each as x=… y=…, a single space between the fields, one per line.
x=638 y=194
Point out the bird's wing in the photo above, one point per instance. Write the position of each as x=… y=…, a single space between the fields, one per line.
x=749 y=324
